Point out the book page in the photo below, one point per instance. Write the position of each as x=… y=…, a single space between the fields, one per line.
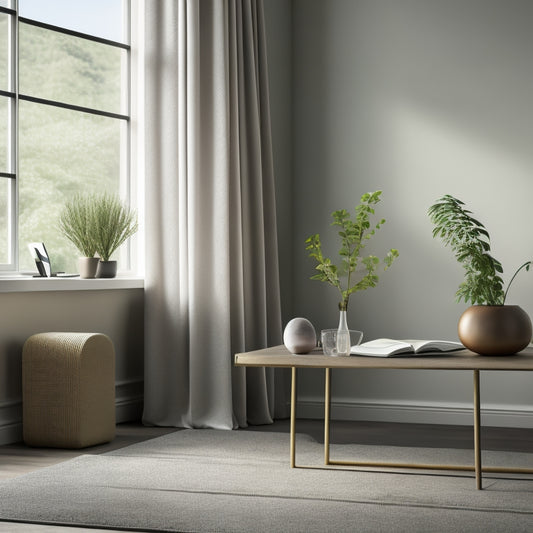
x=434 y=345
x=392 y=347
x=382 y=347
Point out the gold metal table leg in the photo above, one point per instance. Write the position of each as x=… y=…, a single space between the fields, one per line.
x=477 y=431
x=477 y=468
x=293 y=419
x=327 y=415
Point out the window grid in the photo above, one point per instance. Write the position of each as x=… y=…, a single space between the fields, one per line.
x=13 y=127
x=73 y=33
x=11 y=174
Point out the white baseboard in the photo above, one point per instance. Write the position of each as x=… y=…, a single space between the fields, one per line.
x=128 y=405
x=460 y=414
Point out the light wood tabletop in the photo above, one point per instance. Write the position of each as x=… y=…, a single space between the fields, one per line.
x=279 y=356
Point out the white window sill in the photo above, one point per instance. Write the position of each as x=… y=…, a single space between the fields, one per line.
x=29 y=284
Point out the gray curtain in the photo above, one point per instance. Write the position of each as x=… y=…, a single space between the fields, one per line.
x=212 y=286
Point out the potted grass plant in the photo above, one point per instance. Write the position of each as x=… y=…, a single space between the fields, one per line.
x=97 y=224
x=77 y=224
x=489 y=326
x=114 y=223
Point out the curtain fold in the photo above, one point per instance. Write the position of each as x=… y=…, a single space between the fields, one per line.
x=212 y=286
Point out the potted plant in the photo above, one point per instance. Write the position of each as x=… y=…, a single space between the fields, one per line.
x=488 y=326
x=354 y=235
x=114 y=223
x=76 y=222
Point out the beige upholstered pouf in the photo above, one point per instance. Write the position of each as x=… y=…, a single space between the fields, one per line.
x=68 y=390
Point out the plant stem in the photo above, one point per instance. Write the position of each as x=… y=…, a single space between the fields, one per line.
x=349 y=273
x=525 y=265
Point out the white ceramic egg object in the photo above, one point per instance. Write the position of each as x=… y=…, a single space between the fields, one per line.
x=299 y=336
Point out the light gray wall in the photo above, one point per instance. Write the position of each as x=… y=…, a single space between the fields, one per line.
x=418 y=98
x=116 y=313
x=278 y=21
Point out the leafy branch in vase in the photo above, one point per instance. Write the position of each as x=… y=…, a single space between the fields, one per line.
x=354 y=234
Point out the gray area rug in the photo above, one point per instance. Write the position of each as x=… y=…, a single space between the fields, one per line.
x=240 y=481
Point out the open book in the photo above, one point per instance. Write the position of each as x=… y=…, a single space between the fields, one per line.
x=395 y=348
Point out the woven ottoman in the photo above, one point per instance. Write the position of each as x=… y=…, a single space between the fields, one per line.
x=68 y=390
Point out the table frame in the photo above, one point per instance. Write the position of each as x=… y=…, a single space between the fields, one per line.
x=278 y=356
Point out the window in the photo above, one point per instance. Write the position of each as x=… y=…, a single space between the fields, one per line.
x=64 y=117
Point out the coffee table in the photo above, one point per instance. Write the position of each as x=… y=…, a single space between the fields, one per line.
x=280 y=357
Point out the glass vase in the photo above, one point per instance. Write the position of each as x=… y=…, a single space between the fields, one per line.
x=343 y=333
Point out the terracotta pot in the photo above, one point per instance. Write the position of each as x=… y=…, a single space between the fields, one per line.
x=495 y=329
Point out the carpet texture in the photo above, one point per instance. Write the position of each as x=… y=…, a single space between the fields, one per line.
x=240 y=481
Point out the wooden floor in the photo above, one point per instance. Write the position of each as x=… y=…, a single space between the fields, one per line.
x=18 y=459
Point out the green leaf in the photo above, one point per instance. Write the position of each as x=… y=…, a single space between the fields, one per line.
x=354 y=233
x=470 y=242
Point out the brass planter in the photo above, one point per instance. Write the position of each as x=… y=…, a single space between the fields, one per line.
x=495 y=329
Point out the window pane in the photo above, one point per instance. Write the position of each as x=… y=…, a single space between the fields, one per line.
x=69 y=69
x=61 y=153
x=102 y=18
x=5 y=185
x=4 y=124
x=4 y=51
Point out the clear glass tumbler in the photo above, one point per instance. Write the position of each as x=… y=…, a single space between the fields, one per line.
x=329 y=340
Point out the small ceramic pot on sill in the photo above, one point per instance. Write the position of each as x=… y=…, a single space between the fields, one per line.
x=106 y=269
x=495 y=329
x=87 y=267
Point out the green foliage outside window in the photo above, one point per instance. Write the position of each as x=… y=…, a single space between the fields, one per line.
x=64 y=152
